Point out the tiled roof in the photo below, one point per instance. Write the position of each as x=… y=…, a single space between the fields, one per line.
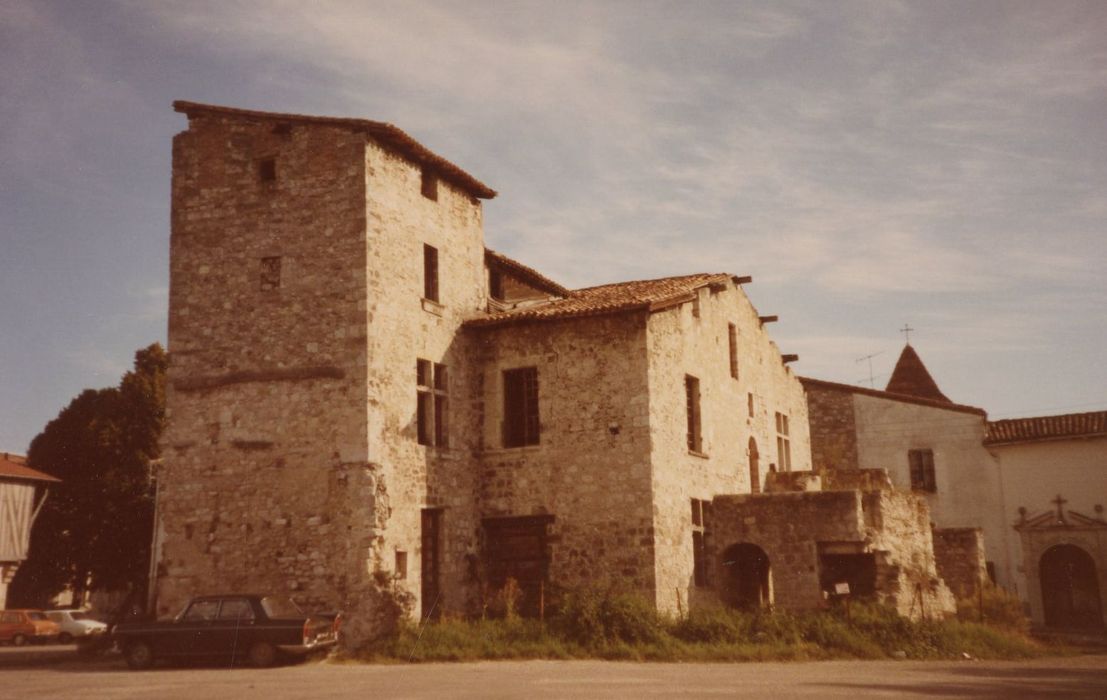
x=383 y=132
x=1070 y=425
x=15 y=467
x=526 y=274
x=809 y=382
x=911 y=378
x=620 y=297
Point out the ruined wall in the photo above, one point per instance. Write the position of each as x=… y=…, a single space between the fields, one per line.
x=897 y=525
x=264 y=483
x=405 y=327
x=833 y=430
x=967 y=476
x=793 y=529
x=959 y=553
x=591 y=468
x=681 y=343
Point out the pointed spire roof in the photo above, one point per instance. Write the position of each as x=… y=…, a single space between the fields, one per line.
x=911 y=378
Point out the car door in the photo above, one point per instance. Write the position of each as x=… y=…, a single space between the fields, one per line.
x=192 y=634
x=232 y=632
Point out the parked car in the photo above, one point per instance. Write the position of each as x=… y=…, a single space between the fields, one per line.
x=22 y=626
x=75 y=624
x=257 y=629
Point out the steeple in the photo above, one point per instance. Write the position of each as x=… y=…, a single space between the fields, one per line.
x=911 y=378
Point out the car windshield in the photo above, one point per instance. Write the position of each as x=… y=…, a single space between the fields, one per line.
x=277 y=607
x=36 y=616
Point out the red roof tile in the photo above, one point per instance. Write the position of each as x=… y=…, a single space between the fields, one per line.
x=646 y=295
x=1070 y=425
x=15 y=467
x=809 y=382
x=526 y=274
x=383 y=132
x=911 y=378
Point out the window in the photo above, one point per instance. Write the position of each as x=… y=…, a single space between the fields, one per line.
x=733 y=336
x=521 y=407
x=783 y=444
x=922 y=470
x=267 y=169
x=701 y=533
x=692 y=399
x=270 y=273
x=429 y=185
x=496 y=284
x=401 y=564
x=749 y=403
x=696 y=305
x=236 y=609
x=432 y=403
x=430 y=272
x=202 y=610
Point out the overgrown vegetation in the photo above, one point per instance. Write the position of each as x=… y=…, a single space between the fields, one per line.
x=598 y=624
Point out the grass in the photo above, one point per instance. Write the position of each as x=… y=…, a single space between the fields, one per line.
x=592 y=625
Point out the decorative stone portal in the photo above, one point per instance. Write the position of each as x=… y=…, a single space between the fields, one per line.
x=1070 y=588
x=746 y=580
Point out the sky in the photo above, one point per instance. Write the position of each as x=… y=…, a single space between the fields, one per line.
x=869 y=164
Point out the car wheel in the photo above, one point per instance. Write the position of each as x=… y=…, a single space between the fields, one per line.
x=19 y=640
x=139 y=655
x=65 y=638
x=261 y=654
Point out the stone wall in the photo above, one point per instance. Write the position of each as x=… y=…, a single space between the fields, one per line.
x=683 y=343
x=591 y=466
x=265 y=442
x=793 y=529
x=959 y=553
x=833 y=430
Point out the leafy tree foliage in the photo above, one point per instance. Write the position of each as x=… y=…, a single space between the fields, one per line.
x=94 y=530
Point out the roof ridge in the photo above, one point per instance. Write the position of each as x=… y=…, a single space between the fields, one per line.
x=893 y=396
x=386 y=133
x=655 y=279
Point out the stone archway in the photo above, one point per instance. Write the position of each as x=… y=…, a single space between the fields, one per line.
x=1070 y=588
x=755 y=469
x=747 y=583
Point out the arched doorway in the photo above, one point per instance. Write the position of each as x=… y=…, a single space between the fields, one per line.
x=755 y=470
x=746 y=581
x=1070 y=588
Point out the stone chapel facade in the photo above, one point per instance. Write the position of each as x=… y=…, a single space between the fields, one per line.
x=360 y=390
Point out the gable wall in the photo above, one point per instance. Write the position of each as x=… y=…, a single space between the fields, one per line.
x=680 y=344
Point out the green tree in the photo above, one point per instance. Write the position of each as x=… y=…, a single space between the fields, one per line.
x=94 y=530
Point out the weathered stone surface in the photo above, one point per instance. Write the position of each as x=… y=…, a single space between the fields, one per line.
x=959 y=553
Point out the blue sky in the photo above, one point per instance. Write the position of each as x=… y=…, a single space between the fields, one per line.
x=942 y=164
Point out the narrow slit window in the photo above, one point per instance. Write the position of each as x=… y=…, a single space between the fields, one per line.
x=732 y=335
x=270 y=273
x=692 y=399
x=430 y=272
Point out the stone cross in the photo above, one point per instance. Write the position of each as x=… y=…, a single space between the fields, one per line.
x=1060 y=502
x=906 y=330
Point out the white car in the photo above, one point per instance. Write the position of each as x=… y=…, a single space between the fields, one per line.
x=75 y=624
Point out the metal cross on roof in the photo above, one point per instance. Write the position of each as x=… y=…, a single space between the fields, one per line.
x=906 y=330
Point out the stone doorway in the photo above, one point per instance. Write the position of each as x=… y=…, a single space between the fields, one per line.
x=1070 y=588
x=747 y=584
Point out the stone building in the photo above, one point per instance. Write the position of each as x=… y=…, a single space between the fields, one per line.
x=992 y=486
x=362 y=395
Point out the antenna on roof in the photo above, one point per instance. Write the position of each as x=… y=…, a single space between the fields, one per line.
x=872 y=380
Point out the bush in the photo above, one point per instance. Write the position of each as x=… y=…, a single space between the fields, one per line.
x=594 y=618
x=1000 y=607
x=714 y=626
